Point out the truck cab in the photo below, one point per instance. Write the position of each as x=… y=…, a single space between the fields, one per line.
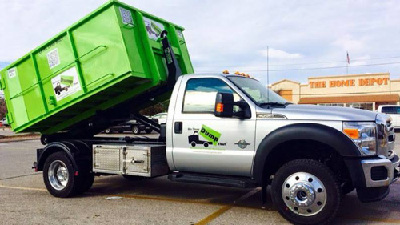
x=255 y=133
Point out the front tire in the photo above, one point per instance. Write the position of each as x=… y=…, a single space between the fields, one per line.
x=306 y=192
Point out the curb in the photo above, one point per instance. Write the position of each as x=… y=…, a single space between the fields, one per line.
x=16 y=138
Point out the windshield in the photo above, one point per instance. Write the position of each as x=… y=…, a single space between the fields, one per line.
x=256 y=91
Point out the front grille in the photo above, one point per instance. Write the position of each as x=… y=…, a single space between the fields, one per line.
x=379 y=173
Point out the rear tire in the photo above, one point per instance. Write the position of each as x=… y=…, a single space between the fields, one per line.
x=311 y=193
x=58 y=175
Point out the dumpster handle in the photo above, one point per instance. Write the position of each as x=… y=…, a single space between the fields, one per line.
x=94 y=49
x=101 y=78
x=30 y=88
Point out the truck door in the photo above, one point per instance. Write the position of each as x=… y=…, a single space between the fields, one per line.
x=205 y=143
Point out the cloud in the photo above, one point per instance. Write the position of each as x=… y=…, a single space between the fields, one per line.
x=280 y=54
x=227 y=34
x=349 y=43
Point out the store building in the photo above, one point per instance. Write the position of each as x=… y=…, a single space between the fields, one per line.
x=365 y=91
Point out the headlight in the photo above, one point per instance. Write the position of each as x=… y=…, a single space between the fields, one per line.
x=363 y=134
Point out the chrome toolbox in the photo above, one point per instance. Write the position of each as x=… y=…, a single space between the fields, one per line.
x=146 y=160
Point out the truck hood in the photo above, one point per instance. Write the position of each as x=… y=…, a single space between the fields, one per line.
x=313 y=112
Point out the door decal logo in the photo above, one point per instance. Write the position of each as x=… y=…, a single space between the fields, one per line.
x=206 y=138
x=210 y=134
x=194 y=141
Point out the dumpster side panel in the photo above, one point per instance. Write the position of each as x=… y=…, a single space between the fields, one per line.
x=55 y=62
x=130 y=30
x=31 y=89
x=101 y=50
x=15 y=100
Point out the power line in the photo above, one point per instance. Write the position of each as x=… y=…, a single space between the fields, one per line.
x=346 y=93
x=312 y=63
x=317 y=68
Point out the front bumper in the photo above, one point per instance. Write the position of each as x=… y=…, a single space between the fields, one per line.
x=380 y=172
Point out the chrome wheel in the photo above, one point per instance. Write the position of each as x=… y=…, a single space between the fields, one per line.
x=135 y=130
x=58 y=175
x=304 y=194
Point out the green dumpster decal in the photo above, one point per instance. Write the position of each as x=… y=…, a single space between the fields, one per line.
x=153 y=28
x=66 y=84
x=210 y=134
x=156 y=28
x=12 y=72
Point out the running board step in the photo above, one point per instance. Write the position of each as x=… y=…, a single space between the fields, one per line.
x=226 y=181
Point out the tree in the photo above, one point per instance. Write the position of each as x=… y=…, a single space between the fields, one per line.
x=155 y=109
x=3 y=109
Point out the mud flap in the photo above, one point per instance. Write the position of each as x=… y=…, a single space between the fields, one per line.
x=264 y=193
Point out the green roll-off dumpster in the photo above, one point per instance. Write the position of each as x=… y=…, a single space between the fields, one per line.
x=108 y=57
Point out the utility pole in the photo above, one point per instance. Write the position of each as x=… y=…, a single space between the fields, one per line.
x=268 y=72
x=347 y=62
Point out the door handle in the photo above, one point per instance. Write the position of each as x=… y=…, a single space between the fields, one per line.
x=133 y=161
x=178 y=127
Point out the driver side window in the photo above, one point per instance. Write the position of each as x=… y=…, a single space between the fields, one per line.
x=200 y=94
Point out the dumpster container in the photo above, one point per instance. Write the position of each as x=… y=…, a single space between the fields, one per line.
x=108 y=57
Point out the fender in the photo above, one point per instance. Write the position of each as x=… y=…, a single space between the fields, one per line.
x=343 y=145
x=75 y=150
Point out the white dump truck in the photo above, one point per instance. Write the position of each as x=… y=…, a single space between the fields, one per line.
x=230 y=130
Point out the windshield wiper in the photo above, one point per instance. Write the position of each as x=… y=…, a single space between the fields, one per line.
x=274 y=103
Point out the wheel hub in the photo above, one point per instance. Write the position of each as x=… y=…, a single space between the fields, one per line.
x=304 y=194
x=58 y=175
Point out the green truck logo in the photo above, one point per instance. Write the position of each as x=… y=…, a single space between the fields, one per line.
x=210 y=134
x=67 y=80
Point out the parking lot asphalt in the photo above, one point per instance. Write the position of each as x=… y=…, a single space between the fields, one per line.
x=113 y=199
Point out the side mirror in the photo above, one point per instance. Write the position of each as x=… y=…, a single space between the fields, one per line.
x=224 y=105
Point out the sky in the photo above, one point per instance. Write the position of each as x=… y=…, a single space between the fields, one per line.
x=305 y=38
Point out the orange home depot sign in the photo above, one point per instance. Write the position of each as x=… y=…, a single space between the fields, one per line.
x=350 y=82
